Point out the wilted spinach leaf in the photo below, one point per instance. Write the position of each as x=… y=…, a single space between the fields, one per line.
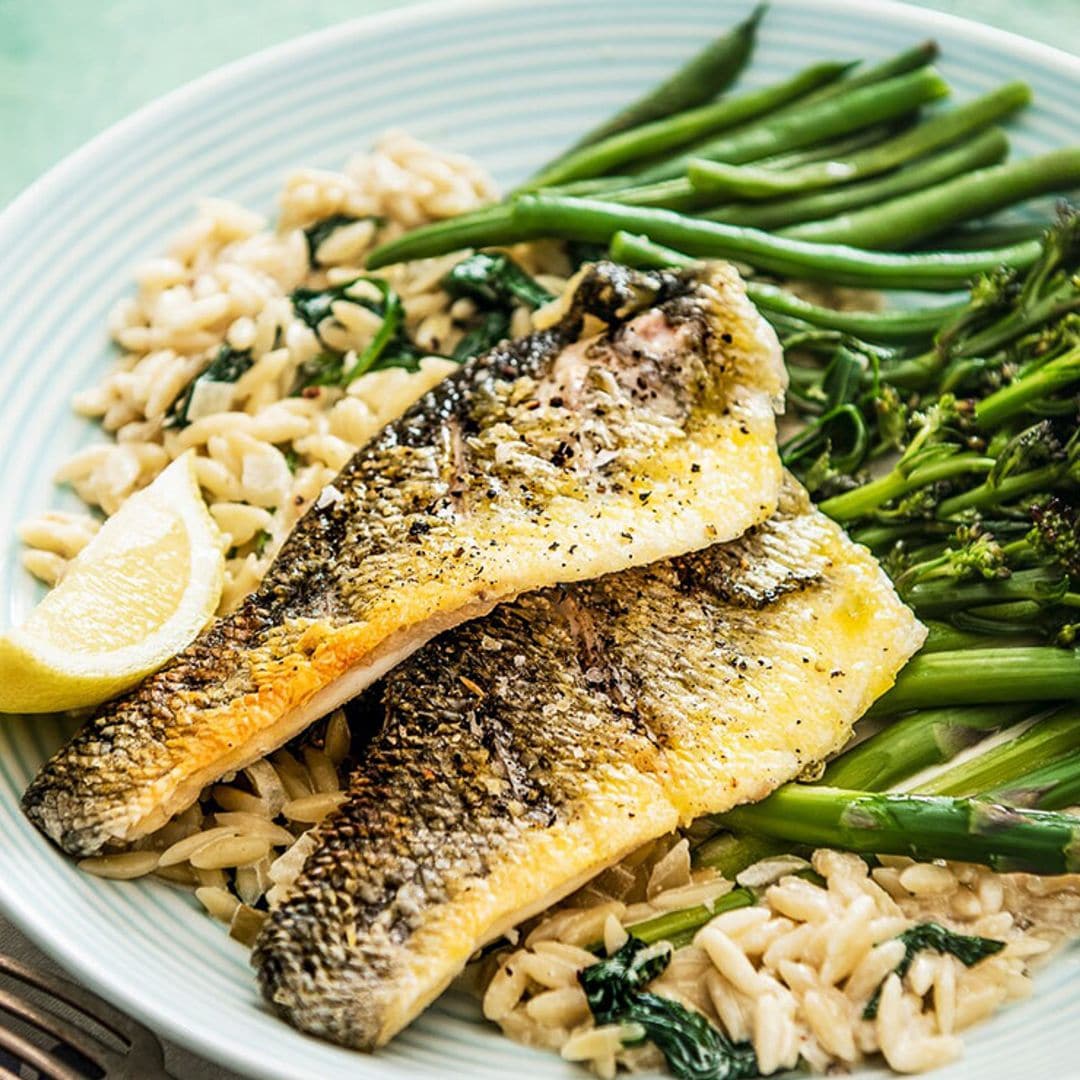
x=226 y=367
x=692 y=1047
x=969 y=950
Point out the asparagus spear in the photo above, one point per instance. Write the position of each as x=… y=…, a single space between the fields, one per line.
x=916 y=742
x=971 y=677
x=679 y=927
x=1053 y=786
x=923 y=826
x=1057 y=734
x=729 y=854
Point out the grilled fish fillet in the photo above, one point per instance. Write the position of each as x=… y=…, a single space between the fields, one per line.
x=524 y=752
x=639 y=427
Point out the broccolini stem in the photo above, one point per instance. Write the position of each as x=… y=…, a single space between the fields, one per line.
x=869 y=497
x=1043 y=584
x=1005 y=491
x=1010 y=400
x=942 y=638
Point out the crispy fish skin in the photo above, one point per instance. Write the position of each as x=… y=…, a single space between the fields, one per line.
x=524 y=752
x=639 y=427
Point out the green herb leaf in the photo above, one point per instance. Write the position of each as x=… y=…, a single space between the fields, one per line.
x=494 y=279
x=494 y=326
x=391 y=330
x=317 y=233
x=969 y=950
x=227 y=366
x=390 y=346
x=580 y=252
x=692 y=1047
x=314 y=305
x=323 y=369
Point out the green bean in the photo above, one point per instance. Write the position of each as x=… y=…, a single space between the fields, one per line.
x=680 y=193
x=702 y=77
x=534 y=216
x=597 y=222
x=795 y=127
x=596 y=185
x=898 y=325
x=973 y=238
x=745 y=182
x=660 y=136
x=903 y=221
x=899 y=64
x=986 y=149
x=674 y=194
x=895 y=325
x=488 y=227
x=845 y=144
x=632 y=249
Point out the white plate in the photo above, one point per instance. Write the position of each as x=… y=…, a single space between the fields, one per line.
x=509 y=83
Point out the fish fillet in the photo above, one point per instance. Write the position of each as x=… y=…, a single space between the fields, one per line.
x=523 y=753
x=639 y=427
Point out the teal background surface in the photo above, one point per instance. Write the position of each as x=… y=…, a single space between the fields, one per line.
x=69 y=68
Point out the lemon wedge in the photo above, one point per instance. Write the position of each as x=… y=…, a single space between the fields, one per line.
x=134 y=597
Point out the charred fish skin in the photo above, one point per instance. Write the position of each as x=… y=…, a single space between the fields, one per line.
x=639 y=426
x=524 y=752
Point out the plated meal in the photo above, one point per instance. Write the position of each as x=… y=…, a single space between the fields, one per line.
x=607 y=598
